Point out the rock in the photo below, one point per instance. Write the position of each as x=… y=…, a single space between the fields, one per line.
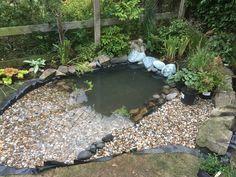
x=84 y=155
x=168 y=70
x=108 y=138
x=134 y=112
x=72 y=69
x=159 y=64
x=63 y=69
x=225 y=98
x=153 y=69
x=156 y=96
x=215 y=134
x=166 y=89
x=225 y=111
x=59 y=73
x=136 y=56
x=148 y=61
x=171 y=96
x=233 y=159
x=77 y=97
x=118 y=60
x=137 y=45
x=93 y=64
x=102 y=59
x=93 y=149
x=100 y=145
x=161 y=101
x=48 y=73
x=150 y=105
x=139 y=116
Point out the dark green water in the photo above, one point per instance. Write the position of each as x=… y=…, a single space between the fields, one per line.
x=127 y=85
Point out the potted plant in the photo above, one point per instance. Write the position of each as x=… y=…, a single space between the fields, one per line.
x=189 y=80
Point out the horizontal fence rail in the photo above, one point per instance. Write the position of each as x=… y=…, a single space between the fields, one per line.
x=22 y=30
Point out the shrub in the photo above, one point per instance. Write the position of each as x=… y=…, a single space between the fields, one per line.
x=86 y=53
x=219 y=15
x=114 y=42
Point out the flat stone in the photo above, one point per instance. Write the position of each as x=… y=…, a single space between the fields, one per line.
x=72 y=69
x=156 y=96
x=171 y=96
x=140 y=115
x=93 y=64
x=215 y=134
x=103 y=59
x=59 y=73
x=224 y=111
x=108 y=138
x=63 y=69
x=47 y=73
x=117 y=60
x=84 y=155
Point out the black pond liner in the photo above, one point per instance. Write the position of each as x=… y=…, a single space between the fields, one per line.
x=6 y=170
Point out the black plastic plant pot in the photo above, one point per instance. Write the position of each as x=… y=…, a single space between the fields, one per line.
x=188 y=96
x=206 y=95
x=202 y=173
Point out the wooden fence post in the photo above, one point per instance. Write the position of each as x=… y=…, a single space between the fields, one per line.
x=97 y=21
x=181 y=9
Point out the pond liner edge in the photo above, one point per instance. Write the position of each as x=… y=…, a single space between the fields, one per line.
x=168 y=149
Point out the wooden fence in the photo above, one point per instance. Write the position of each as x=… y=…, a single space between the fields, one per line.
x=95 y=22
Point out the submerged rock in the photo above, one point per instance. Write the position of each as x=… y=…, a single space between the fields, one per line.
x=77 y=97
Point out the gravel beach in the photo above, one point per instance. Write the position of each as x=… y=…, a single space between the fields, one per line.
x=43 y=126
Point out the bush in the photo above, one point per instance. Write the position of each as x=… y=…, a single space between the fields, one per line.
x=114 y=42
x=86 y=53
x=219 y=15
x=222 y=43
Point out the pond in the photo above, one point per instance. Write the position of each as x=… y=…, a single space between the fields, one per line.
x=124 y=85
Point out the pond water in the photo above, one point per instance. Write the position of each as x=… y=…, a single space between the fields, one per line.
x=124 y=85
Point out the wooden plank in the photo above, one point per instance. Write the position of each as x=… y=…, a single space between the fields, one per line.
x=181 y=9
x=97 y=21
x=21 y=30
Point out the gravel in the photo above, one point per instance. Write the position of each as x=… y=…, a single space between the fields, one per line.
x=44 y=126
x=174 y=123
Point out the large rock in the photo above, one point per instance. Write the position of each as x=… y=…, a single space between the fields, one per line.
x=136 y=56
x=48 y=73
x=63 y=69
x=168 y=70
x=224 y=98
x=159 y=64
x=148 y=61
x=103 y=59
x=117 y=60
x=215 y=134
x=137 y=45
x=77 y=97
x=172 y=95
x=72 y=69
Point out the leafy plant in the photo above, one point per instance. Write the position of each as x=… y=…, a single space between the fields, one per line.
x=211 y=164
x=171 y=48
x=36 y=64
x=83 y=68
x=182 y=45
x=122 y=112
x=64 y=51
x=222 y=43
x=114 y=42
x=86 y=53
x=124 y=10
x=8 y=74
x=218 y=15
x=89 y=85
